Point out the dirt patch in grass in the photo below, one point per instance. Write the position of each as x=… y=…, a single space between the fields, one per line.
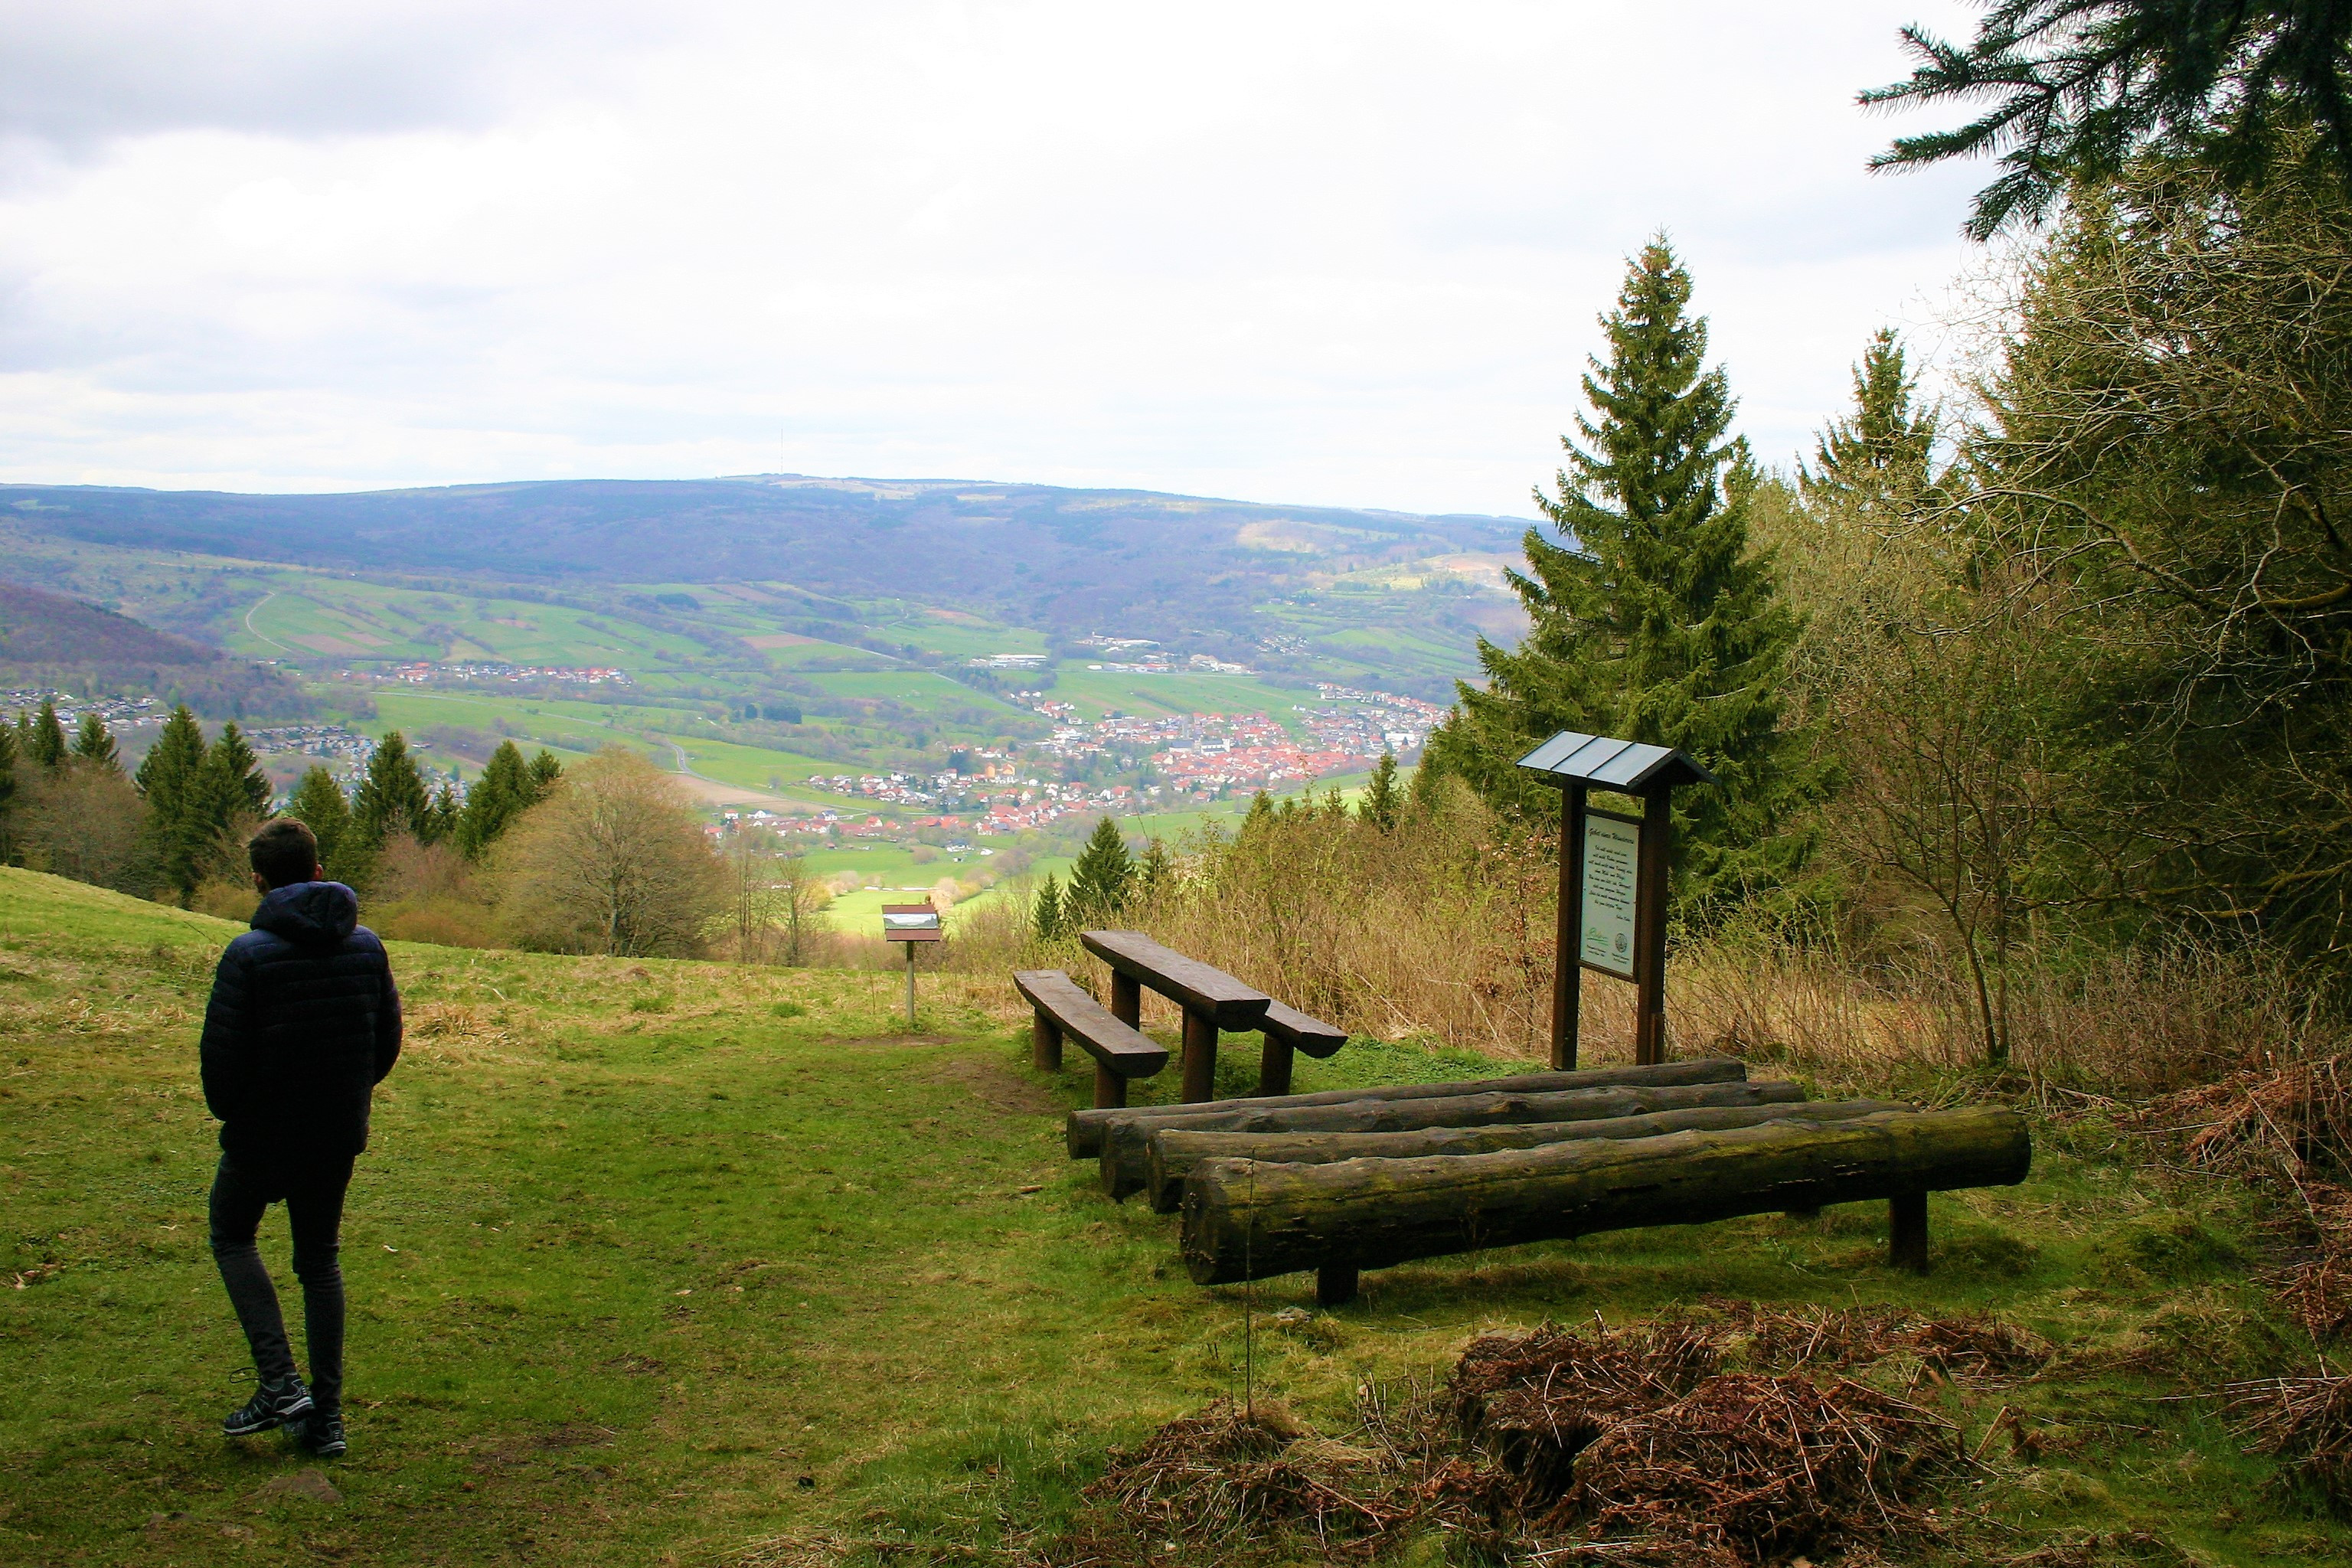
x=998 y=1089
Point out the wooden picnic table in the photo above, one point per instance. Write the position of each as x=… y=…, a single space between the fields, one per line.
x=1211 y=999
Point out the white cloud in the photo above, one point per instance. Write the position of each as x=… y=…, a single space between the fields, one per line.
x=1326 y=253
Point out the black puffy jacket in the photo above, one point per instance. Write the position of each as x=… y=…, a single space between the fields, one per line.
x=304 y=1023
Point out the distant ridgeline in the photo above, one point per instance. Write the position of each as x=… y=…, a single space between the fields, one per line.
x=48 y=640
x=1150 y=565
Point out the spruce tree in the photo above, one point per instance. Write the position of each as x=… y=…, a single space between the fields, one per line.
x=440 y=819
x=171 y=779
x=1156 y=874
x=1652 y=619
x=93 y=742
x=47 y=738
x=318 y=804
x=1877 y=461
x=1046 y=917
x=544 y=772
x=1382 y=800
x=1100 y=879
x=391 y=798
x=233 y=785
x=8 y=756
x=504 y=792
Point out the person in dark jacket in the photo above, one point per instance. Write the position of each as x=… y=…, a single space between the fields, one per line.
x=304 y=1022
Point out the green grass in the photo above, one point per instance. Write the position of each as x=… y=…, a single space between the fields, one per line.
x=649 y=1261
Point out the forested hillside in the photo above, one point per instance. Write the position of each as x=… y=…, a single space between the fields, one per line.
x=1156 y=566
x=48 y=640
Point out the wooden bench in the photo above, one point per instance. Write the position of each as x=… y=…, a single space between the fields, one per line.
x=1059 y=1008
x=1247 y=1219
x=1288 y=1030
x=1211 y=1000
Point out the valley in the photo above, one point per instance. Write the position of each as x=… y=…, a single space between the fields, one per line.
x=1155 y=658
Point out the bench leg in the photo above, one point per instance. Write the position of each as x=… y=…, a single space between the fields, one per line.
x=1906 y=1232
x=1111 y=1089
x=1200 y=1056
x=1335 y=1284
x=1273 y=1068
x=1127 y=999
x=1045 y=1042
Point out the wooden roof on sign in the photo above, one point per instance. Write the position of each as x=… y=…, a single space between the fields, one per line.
x=1571 y=757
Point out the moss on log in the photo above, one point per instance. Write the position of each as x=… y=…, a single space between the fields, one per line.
x=1171 y=1154
x=1084 y=1131
x=1126 y=1151
x=1249 y=1219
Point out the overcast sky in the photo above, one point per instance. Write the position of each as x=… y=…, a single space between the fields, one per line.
x=1344 y=253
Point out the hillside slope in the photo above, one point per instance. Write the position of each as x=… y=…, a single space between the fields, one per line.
x=1047 y=556
x=48 y=640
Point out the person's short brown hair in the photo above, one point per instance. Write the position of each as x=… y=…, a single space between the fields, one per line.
x=284 y=852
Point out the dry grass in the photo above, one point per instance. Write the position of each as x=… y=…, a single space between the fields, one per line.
x=1554 y=1445
x=1442 y=930
x=2306 y=1423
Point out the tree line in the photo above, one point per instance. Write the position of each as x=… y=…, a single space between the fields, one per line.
x=178 y=823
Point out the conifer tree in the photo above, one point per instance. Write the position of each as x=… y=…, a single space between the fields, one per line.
x=1879 y=460
x=171 y=779
x=1382 y=800
x=1652 y=619
x=45 y=738
x=440 y=819
x=1046 y=917
x=234 y=786
x=1100 y=879
x=544 y=772
x=8 y=755
x=1156 y=874
x=318 y=804
x=504 y=792
x=391 y=798
x=93 y=742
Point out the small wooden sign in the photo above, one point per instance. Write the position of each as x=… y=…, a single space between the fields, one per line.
x=1611 y=893
x=910 y=923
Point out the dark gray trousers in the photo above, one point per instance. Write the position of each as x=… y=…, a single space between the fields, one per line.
x=313 y=1194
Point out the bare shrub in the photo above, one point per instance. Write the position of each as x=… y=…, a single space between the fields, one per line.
x=613 y=861
x=82 y=821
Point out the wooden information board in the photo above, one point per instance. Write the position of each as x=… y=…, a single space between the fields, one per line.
x=1611 y=893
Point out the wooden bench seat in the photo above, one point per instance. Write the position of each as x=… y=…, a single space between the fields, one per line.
x=1061 y=1009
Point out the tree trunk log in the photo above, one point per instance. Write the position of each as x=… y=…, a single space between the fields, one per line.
x=1125 y=1152
x=1368 y=1214
x=1172 y=1153
x=1084 y=1131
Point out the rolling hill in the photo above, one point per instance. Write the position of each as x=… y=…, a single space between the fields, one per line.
x=1036 y=554
x=48 y=640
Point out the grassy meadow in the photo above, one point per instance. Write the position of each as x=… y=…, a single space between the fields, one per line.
x=665 y=1262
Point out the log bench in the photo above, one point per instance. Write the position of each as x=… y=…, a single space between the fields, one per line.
x=1083 y=1133
x=1171 y=1154
x=1251 y=1219
x=1126 y=1152
x=1212 y=1002
x=1059 y=1009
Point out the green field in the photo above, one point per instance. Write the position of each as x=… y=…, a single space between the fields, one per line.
x=661 y=1262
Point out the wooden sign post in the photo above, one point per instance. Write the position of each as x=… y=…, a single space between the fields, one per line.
x=910 y=923
x=1613 y=878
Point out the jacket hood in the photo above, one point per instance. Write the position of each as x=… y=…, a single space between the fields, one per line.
x=308 y=914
